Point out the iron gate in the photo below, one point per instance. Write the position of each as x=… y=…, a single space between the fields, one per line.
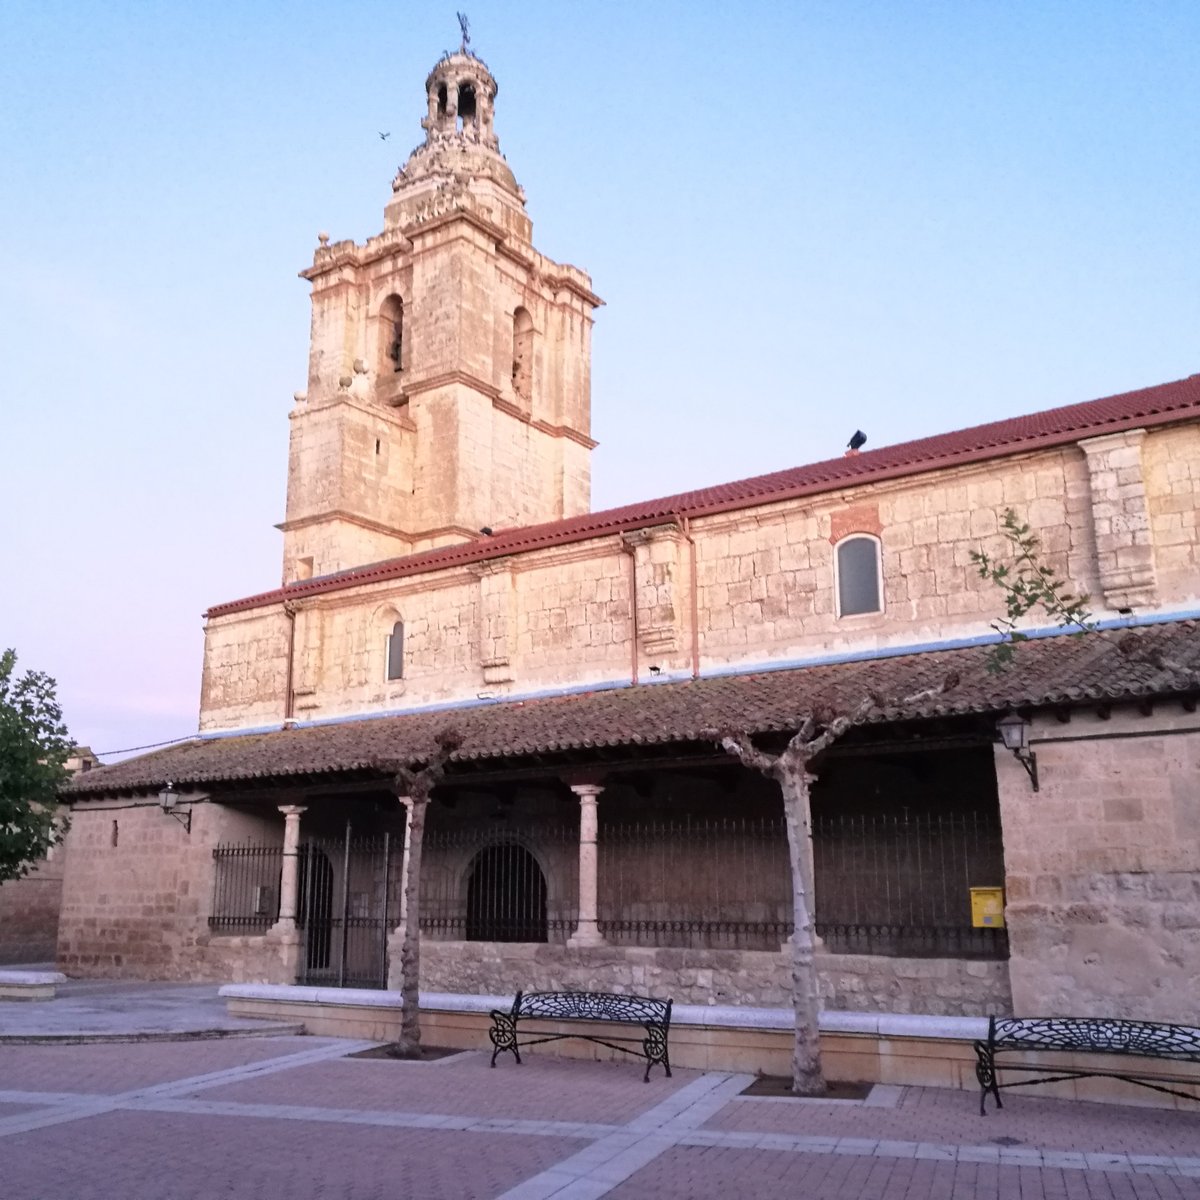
x=347 y=904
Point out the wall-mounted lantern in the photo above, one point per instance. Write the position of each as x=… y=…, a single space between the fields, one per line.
x=168 y=798
x=1014 y=732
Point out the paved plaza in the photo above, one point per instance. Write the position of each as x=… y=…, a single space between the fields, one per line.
x=295 y=1118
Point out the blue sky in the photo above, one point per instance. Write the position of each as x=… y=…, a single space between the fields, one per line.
x=805 y=218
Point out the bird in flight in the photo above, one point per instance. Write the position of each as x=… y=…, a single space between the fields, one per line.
x=383 y=137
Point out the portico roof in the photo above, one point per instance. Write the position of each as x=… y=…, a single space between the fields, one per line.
x=1159 y=660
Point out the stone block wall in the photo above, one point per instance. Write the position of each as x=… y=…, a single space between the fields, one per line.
x=138 y=894
x=941 y=987
x=1171 y=459
x=1103 y=867
x=245 y=669
x=29 y=912
x=1106 y=512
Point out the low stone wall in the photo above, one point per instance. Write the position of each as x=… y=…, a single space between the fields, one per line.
x=270 y=957
x=942 y=987
x=863 y=983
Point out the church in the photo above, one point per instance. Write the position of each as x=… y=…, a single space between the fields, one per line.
x=1027 y=840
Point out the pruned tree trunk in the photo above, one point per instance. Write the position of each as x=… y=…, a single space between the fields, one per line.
x=414 y=786
x=808 y=1079
x=790 y=769
x=409 y=1045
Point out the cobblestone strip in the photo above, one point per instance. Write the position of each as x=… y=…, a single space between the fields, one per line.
x=63 y=1108
x=599 y=1168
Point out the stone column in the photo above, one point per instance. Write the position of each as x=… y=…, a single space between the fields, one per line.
x=289 y=876
x=587 y=933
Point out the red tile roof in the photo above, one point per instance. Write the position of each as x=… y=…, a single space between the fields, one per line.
x=1158 y=660
x=1161 y=405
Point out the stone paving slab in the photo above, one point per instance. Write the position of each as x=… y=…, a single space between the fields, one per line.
x=683 y=1173
x=150 y=1156
x=111 y=1009
x=541 y=1088
x=104 y=1069
x=295 y=1118
x=11 y=1110
x=941 y=1115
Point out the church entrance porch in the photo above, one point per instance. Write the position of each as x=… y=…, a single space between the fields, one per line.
x=667 y=876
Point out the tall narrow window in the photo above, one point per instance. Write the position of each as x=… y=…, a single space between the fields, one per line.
x=858 y=576
x=395 y=652
x=522 y=364
x=391 y=334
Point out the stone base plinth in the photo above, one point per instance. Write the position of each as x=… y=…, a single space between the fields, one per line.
x=29 y=985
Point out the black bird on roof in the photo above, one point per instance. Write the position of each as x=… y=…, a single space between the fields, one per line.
x=486 y=531
x=858 y=441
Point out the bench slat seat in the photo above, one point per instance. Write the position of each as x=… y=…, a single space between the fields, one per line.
x=653 y=1015
x=1082 y=1035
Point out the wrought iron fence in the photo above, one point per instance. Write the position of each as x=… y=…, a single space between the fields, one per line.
x=245 y=887
x=348 y=901
x=500 y=883
x=886 y=884
x=899 y=884
x=718 y=884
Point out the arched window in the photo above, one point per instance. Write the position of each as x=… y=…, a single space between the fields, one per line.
x=391 y=334
x=506 y=896
x=395 y=651
x=522 y=355
x=466 y=102
x=859 y=582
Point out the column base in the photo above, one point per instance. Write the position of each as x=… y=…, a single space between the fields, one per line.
x=586 y=938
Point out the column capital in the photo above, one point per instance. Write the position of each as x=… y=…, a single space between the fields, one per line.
x=292 y=810
x=586 y=790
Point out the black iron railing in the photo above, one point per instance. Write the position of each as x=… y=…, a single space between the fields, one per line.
x=900 y=883
x=245 y=887
x=885 y=884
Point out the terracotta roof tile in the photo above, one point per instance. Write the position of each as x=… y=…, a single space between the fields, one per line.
x=1150 y=406
x=1046 y=671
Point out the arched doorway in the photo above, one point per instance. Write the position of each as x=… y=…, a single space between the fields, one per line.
x=506 y=896
x=314 y=905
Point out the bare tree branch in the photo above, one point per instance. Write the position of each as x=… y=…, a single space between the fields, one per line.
x=740 y=746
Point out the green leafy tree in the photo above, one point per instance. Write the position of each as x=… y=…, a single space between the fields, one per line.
x=1027 y=583
x=34 y=747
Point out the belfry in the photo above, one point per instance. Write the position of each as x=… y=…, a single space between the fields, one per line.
x=449 y=367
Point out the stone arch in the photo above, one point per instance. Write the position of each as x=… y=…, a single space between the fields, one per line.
x=393 y=351
x=506 y=895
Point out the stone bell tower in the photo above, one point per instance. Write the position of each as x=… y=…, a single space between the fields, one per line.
x=449 y=370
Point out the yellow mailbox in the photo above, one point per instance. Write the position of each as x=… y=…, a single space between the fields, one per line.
x=987 y=907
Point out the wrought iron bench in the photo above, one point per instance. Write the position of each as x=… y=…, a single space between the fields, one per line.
x=654 y=1016
x=1084 y=1035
